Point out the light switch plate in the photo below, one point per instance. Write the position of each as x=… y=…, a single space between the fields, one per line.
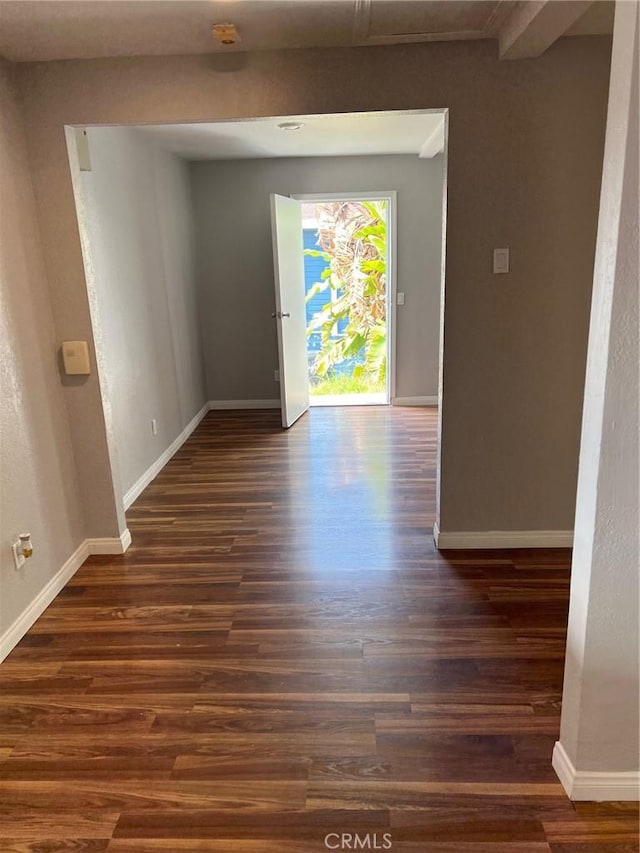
x=82 y=145
x=500 y=261
x=400 y=299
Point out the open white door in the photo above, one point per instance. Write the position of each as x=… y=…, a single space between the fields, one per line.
x=288 y=264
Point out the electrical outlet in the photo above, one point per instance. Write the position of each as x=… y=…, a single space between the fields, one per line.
x=154 y=426
x=22 y=549
x=276 y=375
x=18 y=557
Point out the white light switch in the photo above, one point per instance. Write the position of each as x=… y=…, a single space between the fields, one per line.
x=500 y=261
x=82 y=145
x=75 y=357
x=400 y=299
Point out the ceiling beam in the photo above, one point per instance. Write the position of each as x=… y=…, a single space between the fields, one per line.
x=434 y=144
x=533 y=26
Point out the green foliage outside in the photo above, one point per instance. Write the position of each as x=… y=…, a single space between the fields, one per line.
x=352 y=237
x=342 y=383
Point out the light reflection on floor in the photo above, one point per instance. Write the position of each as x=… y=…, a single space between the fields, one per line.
x=347 y=474
x=348 y=399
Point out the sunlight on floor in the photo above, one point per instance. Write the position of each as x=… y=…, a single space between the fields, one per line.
x=349 y=400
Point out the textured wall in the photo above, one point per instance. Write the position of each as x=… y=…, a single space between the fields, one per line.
x=236 y=263
x=39 y=489
x=600 y=728
x=525 y=158
x=137 y=205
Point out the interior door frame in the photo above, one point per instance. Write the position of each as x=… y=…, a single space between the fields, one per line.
x=391 y=197
x=112 y=494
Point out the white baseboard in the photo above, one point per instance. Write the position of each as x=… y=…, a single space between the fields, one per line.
x=108 y=545
x=244 y=404
x=105 y=545
x=16 y=632
x=152 y=472
x=414 y=401
x=111 y=545
x=593 y=785
x=490 y=539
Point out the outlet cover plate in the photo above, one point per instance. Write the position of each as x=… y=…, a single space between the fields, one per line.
x=18 y=558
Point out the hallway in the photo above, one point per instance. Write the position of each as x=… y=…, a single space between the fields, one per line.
x=283 y=654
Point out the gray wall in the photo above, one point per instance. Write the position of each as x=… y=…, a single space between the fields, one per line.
x=137 y=206
x=524 y=167
x=600 y=729
x=233 y=227
x=39 y=490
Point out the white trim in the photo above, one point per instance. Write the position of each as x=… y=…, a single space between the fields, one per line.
x=490 y=539
x=415 y=401
x=244 y=404
x=152 y=472
x=392 y=296
x=33 y=611
x=565 y=771
x=125 y=540
x=364 y=195
x=595 y=785
x=301 y=117
x=443 y=266
x=110 y=545
x=390 y=196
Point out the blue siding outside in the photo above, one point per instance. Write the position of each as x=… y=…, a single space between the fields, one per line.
x=313 y=269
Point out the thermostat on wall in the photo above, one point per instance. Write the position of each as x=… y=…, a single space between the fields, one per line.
x=75 y=357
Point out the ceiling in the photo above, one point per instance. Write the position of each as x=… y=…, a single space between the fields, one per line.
x=350 y=134
x=33 y=30
x=597 y=20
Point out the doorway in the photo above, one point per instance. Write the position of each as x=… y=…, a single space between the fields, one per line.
x=251 y=159
x=343 y=346
x=348 y=246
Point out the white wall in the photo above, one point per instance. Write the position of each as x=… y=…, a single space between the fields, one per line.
x=137 y=208
x=598 y=756
x=233 y=226
x=39 y=490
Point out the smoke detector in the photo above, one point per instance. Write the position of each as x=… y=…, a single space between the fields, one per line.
x=226 y=34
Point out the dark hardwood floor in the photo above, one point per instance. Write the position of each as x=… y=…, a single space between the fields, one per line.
x=282 y=654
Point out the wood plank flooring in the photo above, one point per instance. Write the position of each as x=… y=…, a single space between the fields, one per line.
x=282 y=655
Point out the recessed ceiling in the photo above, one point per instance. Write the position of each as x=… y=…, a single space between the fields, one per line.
x=38 y=30
x=352 y=134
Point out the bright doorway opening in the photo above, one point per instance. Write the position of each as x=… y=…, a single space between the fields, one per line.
x=348 y=277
